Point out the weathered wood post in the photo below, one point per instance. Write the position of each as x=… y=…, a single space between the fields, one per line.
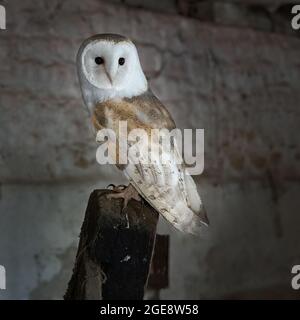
x=115 y=250
x=159 y=271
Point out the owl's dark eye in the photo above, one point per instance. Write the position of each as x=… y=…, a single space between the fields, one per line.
x=121 y=61
x=99 y=60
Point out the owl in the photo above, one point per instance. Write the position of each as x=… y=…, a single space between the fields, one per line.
x=114 y=89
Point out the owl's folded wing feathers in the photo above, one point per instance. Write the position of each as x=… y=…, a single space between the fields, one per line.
x=168 y=188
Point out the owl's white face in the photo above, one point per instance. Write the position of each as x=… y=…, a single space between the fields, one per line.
x=113 y=68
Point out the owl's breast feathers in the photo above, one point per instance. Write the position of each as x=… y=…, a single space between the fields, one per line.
x=141 y=112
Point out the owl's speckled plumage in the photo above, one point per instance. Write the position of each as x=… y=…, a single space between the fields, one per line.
x=115 y=92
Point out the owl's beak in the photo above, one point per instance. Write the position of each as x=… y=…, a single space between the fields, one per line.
x=109 y=77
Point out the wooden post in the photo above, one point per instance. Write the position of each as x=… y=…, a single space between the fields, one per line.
x=159 y=271
x=115 y=250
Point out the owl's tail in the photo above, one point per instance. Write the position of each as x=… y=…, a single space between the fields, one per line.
x=192 y=214
x=188 y=221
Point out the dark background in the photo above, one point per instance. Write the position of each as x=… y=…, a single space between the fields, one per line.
x=232 y=68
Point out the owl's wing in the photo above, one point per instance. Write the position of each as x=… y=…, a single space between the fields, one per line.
x=167 y=187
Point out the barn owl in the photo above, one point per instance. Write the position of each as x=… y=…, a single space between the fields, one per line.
x=114 y=89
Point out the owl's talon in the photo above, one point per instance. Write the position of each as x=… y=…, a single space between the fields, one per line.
x=121 y=187
x=126 y=193
x=115 y=188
